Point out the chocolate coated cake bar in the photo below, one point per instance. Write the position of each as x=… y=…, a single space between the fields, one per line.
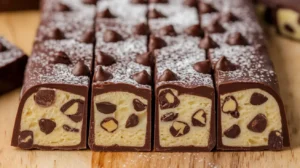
x=121 y=90
x=54 y=101
x=53 y=109
x=184 y=90
x=250 y=113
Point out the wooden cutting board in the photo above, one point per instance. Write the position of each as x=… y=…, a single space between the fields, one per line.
x=20 y=27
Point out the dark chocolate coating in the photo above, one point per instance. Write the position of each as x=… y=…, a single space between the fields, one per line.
x=11 y=71
x=16 y=5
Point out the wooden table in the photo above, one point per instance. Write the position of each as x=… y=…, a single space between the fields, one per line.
x=20 y=29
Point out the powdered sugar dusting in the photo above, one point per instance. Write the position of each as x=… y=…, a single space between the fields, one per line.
x=251 y=75
x=125 y=50
x=240 y=8
x=183 y=40
x=180 y=58
x=124 y=10
x=127 y=16
x=253 y=64
x=11 y=54
x=245 y=26
x=122 y=73
x=247 y=57
x=252 y=60
x=124 y=28
x=40 y=70
x=244 y=9
x=181 y=17
x=75 y=5
x=251 y=38
x=74 y=26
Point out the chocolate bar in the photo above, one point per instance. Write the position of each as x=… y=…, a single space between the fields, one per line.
x=184 y=91
x=284 y=15
x=54 y=101
x=15 y=5
x=250 y=111
x=121 y=89
x=12 y=66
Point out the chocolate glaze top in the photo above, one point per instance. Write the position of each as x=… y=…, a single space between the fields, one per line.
x=253 y=65
x=41 y=69
x=179 y=56
x=179 y=20
x=10 y=54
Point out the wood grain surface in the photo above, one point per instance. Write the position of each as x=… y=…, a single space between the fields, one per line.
x=20 y=27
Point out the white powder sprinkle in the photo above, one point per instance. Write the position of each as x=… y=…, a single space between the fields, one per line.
x=41 y=71
x=181 y=17
x=179 y=56
x=124 y=10
x=11 y=54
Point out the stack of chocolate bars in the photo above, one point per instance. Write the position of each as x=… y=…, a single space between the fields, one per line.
x=182 y=75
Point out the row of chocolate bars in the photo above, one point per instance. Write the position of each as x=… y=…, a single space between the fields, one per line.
x=183 y=74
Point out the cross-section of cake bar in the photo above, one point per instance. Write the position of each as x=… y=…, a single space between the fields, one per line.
x=185 y=115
